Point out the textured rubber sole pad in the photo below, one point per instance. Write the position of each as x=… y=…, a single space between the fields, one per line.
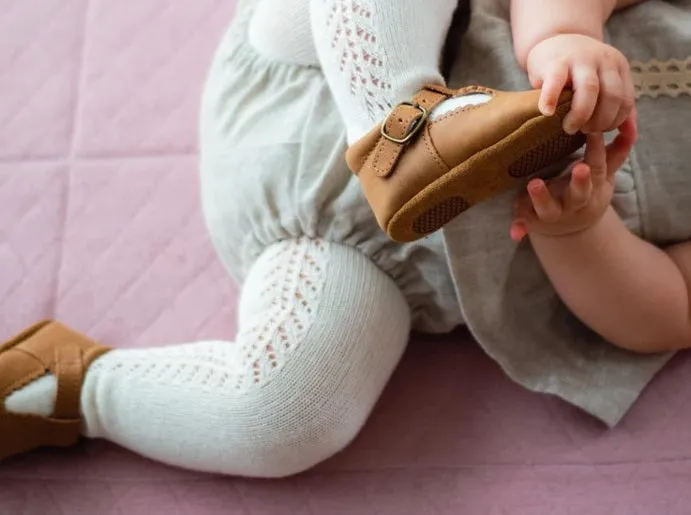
x=544 y=155
x=440 y=215
x=528 y=165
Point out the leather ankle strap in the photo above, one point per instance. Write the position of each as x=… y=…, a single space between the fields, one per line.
x=402 y=126
x=47 y=347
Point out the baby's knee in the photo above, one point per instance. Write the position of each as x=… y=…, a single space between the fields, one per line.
x=291 y=437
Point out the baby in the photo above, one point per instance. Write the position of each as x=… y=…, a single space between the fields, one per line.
x=328 y=301
x=424 y=153
x=600 y=270
x=632 y=293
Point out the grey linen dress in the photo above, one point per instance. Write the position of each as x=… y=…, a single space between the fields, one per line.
x=272 y=168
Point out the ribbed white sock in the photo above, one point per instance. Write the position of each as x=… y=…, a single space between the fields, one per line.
x=37 y=398
x=377 y=53
x=374 y=53
x=321 y=330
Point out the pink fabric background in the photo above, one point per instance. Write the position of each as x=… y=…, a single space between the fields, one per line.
x=100 y=227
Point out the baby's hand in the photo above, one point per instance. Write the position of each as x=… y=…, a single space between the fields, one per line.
x=599 y=75
x=568 y=205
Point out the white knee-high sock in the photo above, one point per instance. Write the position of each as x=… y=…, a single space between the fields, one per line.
x=377 y=53
x=321 y=330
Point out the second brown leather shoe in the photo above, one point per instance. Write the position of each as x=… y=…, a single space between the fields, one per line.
x=47 y=347
x=419 y=171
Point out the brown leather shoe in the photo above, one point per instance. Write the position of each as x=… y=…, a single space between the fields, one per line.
x=43 y=348
x=418 y=174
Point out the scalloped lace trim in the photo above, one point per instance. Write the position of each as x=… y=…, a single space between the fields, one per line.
x=656 y=78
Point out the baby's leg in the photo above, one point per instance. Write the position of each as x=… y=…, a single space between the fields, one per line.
x=377 y=53
x=321 y=330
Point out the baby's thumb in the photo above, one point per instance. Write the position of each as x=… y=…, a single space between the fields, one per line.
x=536 y=80
x=518 y=231
x=546 y=104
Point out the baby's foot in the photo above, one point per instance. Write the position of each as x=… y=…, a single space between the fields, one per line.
x=41 y=375
x=447 y=150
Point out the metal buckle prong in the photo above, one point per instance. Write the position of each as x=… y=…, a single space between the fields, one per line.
x=412 y=131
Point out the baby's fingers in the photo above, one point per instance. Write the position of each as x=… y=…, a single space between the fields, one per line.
x=518 y=231
x=618 y=151
x=545 y=205
x=609 y=101
x=552 y=87
x=586 y=85
x=596 y=156
x=629 y=100
x=523 y=216
x=580 y=187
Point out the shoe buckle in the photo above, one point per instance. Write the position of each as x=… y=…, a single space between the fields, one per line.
x=417 y=123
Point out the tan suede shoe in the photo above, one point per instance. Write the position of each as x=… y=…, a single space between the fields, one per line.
x=43 y=348
x=419 y=173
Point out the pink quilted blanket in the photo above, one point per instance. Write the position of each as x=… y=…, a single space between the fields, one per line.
x=100 y=227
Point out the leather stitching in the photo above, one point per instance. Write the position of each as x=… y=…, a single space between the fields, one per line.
x=393 y=150
x=385 y=154
x=474 y=89
x=457 y=111
x=433 y=151
x=23 y=381
x=380 y=150
x=70 y=370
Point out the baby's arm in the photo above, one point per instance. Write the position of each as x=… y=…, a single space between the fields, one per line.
x=560 y=44
x=534 y=21
x=583 y=17
x=632 y=293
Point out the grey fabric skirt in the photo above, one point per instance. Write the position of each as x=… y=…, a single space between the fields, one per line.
x=272 y=168
x=507 y=301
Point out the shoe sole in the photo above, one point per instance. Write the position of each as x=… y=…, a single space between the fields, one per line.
x=491 y=172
